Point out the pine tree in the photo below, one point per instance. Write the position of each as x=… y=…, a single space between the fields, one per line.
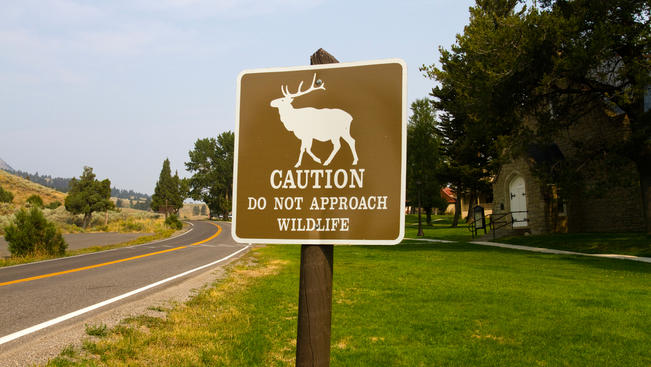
x=32 y=234
x=169 y=192
x=423 y=159
x=88 y=195
x=552 y=64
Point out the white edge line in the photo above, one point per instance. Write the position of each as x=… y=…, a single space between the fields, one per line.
x=93 y=253
x=43 y=325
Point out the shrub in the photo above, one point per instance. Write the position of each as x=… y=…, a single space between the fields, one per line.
x=54 y=205
x=32 y=234
x=96 y=330
x=5 y=196
x=5 y=220
x=7 y=209
x=35 y=200
x=131 y=225
x=173 y=222
x=60 y=216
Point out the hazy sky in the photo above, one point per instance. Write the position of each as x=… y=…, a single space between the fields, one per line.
x=120 y=85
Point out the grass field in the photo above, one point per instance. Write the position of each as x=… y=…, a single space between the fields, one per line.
x=631 y=243
x=413 y=304
x=440 y=228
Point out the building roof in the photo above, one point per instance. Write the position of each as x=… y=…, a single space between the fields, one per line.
x=448 y=195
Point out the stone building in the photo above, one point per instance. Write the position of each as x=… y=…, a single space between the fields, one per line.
x=530 y=206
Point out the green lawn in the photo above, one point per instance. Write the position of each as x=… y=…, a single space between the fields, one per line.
x=415 y=304
x=632 y=243
x=440 y=228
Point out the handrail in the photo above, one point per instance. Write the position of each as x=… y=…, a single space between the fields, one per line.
x=497 y=223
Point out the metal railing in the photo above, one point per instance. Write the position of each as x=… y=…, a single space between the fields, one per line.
x=501 y=220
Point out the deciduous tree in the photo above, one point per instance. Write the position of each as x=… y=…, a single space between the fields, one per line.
x=211 y=162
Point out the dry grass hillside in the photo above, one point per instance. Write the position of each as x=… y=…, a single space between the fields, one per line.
x=188 y=211
x=22 y=189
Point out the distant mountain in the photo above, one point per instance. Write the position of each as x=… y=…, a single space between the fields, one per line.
x=5 y=166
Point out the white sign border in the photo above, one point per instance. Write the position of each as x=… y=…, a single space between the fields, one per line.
x=403 y=164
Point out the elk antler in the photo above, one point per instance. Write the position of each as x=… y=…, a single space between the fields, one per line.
x=298 y=91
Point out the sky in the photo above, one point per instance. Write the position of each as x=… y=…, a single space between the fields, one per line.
x=121 y=85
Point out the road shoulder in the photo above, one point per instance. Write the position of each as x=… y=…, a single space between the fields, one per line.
x=35 y=350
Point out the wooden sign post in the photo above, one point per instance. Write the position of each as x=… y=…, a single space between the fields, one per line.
x=314 y=306
x=320 y=160
x=315 y=289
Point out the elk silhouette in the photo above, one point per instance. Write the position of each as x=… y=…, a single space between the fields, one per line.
x=311 y=123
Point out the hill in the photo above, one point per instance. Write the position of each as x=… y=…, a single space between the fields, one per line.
x=22 y=189
x=62 y=184
x=57 y=183
x=5 y=166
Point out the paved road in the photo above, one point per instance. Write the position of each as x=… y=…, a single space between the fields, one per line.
x=32 y=294
x=83 y=240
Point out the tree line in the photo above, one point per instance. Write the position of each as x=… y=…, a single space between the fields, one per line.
x=62 y=184
x=552 y=63
x=519 y=75
x=58 y=183
x=211 y=165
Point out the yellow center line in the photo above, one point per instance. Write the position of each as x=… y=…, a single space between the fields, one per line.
x=219 y=230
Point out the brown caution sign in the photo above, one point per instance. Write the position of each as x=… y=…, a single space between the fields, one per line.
x=320 y=154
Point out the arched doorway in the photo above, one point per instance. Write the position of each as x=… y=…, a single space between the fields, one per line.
x=518 y=196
